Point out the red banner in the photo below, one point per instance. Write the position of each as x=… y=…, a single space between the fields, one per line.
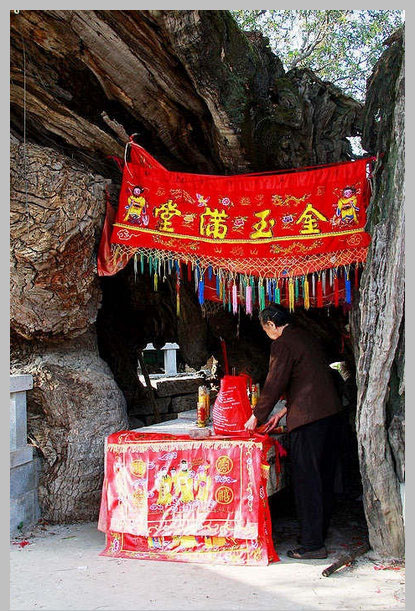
x=268 y=225
x=186 y=499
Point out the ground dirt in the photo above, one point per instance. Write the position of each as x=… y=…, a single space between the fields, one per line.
x=60 y=568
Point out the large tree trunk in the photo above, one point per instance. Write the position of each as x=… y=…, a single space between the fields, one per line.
x=57 y=209
x=379 y=328
x=74 y=405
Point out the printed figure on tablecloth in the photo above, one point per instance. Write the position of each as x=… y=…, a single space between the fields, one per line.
x=164 y=485
x=121 y=486
x=136 y=208
x=347 y=207
x=184 y=483
x=203 y=483
x=121 y=490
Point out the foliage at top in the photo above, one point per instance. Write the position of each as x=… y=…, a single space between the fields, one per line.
x=339 y=46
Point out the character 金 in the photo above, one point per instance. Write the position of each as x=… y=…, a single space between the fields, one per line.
x=310 y=218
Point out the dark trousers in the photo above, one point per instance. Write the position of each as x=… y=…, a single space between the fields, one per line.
x=314 y=452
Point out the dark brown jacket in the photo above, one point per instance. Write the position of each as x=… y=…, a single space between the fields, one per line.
x=298 y=369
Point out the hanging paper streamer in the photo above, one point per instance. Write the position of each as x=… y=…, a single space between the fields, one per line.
x=261 y=293
x=269 y=289
x=277 y=293
x=306 y=293
x=252 y=282
x=336 y=289
x=248 y=299
x=291 y=295
x=196 y=278
x=201 y=291
x=348 y=286
x=234 y=298
x=135 y=267
x=178 y=294
x=319 y=293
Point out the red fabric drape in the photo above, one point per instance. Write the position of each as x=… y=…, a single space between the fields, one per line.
x=170 y=497
x=270 y=224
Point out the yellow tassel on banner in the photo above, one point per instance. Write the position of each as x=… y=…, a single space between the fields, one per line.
x=178 y=304
x=221 y=289
x=291 y=294
x=306 y=294
x=156 y=281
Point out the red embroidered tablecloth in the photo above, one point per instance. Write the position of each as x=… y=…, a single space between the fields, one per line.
x=170 y=497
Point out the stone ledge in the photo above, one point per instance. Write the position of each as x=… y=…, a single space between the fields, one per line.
x=19 y=383
x=170 y=386
x=21 y=456
x=23 y=479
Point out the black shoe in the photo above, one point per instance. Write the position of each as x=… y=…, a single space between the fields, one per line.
x=301 y=553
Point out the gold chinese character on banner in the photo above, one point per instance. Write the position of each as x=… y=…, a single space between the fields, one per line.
x=166 y=212
x=212 y=223
x=224 y=464
x=138 y=467
x=310 y=218
x=224 y=495
x=262 y=229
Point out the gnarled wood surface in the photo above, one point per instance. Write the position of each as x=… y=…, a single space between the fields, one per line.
x=379 y=328
x=56 y=210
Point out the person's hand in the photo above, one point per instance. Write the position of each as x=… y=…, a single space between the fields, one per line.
x=250 y=425
x=272 y=423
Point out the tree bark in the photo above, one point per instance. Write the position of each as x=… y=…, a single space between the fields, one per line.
x=57 y=210
x=75 y=403
x=201 y=95
x=378 y=328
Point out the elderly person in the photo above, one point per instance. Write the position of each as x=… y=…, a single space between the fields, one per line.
x=299 y=371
